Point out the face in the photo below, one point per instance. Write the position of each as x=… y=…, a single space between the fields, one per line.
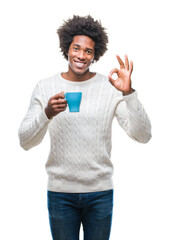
x=81 y=54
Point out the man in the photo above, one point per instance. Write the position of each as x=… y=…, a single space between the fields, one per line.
x=80 y=187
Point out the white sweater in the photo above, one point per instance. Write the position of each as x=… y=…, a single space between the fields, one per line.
x=80 y=154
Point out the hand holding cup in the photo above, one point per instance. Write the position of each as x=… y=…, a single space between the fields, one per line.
x=56 y=104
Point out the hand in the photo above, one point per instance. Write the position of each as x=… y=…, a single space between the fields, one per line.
x=56 y=104
x=123 y=82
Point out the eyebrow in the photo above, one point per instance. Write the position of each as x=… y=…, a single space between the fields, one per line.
x=86 y=48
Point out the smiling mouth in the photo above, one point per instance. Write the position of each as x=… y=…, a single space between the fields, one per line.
x=79 y=64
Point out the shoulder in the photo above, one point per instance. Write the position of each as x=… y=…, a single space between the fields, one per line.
x=46 y=86
x=45 y=82
x=101 y=77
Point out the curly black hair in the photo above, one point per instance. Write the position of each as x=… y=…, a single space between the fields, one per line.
x=86 y=26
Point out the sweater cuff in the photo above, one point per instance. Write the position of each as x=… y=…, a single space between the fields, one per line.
x=43 y=119
x=131 y=98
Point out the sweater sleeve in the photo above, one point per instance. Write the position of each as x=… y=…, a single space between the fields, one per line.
x=35 y=123
x=133 y=119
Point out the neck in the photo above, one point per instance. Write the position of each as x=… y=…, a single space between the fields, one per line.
x=72 y=76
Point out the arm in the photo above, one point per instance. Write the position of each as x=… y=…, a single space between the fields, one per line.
x=130 y=112
x=34 y=125
x=133 y=119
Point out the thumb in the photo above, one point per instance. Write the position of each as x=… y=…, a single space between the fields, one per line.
x=115 y=70
x=112 y=80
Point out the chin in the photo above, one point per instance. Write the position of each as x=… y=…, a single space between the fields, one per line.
x=80 y=72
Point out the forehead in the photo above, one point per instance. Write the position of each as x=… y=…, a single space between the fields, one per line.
x=83 y=41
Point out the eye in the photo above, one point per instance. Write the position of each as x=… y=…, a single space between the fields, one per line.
x=89 y=52
x=75 y=48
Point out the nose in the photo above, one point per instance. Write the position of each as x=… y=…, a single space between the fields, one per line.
x=81 y=54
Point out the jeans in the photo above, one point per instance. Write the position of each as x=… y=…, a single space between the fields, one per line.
x=68 y=210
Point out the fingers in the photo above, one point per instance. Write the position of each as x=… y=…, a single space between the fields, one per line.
x=59 y=95
x=58 y=98
x=115 y=70
x=131 y=66
x=126 y=62
x=58 y=101
x=126 y=65
x=120 y=62
x=60 y=106
x=56 y=104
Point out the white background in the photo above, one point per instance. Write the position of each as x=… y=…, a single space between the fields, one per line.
x=29 y=52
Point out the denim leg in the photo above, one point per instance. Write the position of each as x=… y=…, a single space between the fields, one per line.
x=96 y=217
x=68 y=210
x=64 y=217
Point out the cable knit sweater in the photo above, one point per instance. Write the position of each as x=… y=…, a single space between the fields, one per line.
x=80 y=154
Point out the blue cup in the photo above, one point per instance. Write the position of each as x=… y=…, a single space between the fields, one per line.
x=73 y=100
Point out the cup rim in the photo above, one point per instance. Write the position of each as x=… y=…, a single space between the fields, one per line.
x=73 y=92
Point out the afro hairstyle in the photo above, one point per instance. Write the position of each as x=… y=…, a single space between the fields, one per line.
x=86 y=26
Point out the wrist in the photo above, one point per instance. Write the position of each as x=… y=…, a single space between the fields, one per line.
x=128 y=92
x=47 y=113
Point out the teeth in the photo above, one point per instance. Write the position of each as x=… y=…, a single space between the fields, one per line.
x=79 y=64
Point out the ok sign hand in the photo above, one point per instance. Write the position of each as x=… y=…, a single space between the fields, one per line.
x=123 y=82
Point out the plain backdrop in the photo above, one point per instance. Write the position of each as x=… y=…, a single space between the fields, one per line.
x=29 y=52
